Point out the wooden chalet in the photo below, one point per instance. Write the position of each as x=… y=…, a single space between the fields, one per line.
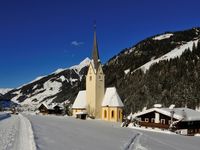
x=50 y=109
x=182 y=120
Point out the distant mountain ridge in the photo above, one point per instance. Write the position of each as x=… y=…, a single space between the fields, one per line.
x=47 y=88
x=4 y=90
x=160 y=69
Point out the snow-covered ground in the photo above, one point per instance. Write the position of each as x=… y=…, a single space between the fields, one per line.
x=53 y=133
x=16 y=134
x=61 y=133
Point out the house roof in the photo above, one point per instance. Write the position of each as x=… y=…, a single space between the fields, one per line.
x=111 y=98
x=184 y=114
x=80 y=101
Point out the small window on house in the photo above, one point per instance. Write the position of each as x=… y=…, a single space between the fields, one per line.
x=105 y=114
x=169 y=122
x=162 y=121
x=153 y=120
x=112 y=114
x=90 y=78
x=146 y=119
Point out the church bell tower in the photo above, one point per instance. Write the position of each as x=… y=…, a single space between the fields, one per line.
x=95 y=83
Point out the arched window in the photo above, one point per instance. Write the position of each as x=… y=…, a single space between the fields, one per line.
x=112 y=114
x=90 y=78
x=105 y=114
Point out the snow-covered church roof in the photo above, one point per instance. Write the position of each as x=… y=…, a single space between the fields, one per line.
x=80 y=101
x=111 y=98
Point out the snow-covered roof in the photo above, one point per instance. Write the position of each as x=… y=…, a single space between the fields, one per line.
x=80 y=101
x=179 y=113
x=45 y=105
x=111 y=98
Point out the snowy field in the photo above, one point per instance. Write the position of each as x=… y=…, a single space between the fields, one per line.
x=56 y=133
x=53 y=132
x=67 y=133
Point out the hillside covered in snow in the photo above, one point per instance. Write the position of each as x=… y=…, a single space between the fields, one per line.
x=4 y=90
x=50 y=88
x=164 y=68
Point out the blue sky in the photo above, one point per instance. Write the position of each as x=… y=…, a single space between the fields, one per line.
x=39 y=36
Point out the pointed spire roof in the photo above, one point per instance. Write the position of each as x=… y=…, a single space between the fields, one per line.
x=95 y=52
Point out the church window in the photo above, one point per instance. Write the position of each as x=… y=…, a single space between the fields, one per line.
x=112 y=113
x=105 y=114
x=90 y=78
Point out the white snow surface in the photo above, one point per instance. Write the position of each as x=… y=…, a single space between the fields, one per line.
x=77 y=68
x=80 y=101
x=111 y=98
x=177 y=52
x=83 y=64
x=126 y=71
x=163 y=36
x=50 y=89
x=5 y=90
x=16 y=134
x=62 y=133
x=179 y=113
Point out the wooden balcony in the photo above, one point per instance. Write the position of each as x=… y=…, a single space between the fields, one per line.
x=154 y=125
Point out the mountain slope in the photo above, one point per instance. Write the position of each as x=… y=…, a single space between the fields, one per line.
x=163 y=81
x=50 y=87
x=4 y=90
x=159 y=69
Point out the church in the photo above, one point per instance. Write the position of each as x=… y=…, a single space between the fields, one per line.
x=97 y=101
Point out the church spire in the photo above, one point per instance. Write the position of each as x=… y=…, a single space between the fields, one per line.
x=95 y=53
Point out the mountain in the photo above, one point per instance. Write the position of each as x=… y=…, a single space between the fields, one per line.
x=4 y=90
x=160 y=69
x=164 y=69
x=58 y=86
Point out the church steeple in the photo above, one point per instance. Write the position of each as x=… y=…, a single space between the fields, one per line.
x=95 y=52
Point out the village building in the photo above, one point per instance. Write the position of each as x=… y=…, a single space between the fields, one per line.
x=96 y=101
x=50 y=109
x=182 y=120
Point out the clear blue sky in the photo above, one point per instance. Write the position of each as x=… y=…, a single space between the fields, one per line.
x=39 y=36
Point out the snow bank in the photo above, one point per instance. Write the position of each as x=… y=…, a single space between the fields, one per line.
x=8 y=132
x=26 y=138
x=151 y=130
x=4 y=115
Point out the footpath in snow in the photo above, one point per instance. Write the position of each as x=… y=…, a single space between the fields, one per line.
x=16 y=134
